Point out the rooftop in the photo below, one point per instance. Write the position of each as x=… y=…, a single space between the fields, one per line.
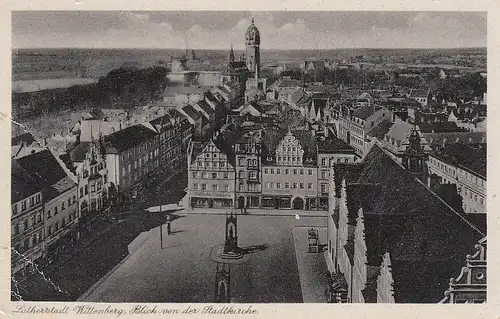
x=26 y=138
x=466 y=156
x=364 y=112
x=419 y=93
x=23 y=184
x=191 y=112
x=403 y=217
x=333 y=145
x=44 y=167
x=127 y=138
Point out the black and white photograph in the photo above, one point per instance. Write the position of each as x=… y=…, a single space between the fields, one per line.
x=248 y=157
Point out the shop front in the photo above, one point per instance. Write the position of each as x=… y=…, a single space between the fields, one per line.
x=253 y=201
x=269 y=201
x=311 y=203
x=285 y=202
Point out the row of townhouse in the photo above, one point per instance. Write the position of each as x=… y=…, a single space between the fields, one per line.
x=45 y=214
x=465 y=166
x=265 y=167
x=385 y=236
x=207 y=113
x=54 y=198
x=140 y=154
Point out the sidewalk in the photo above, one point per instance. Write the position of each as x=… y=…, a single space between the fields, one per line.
x=312 y=266
x=250 y=211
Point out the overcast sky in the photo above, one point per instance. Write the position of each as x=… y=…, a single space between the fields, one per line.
x=218 y=29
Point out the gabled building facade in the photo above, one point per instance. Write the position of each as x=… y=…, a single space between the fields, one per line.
x=211 y=176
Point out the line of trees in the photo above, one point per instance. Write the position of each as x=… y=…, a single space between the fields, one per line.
x=125 y=87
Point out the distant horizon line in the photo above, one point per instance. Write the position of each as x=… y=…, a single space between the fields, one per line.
x=262 y=49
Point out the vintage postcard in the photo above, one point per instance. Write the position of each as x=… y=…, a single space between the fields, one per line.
x=249 y=161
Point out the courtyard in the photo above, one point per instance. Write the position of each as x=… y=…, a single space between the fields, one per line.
x=182 y=271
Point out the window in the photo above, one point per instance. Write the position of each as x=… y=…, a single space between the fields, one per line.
x=26 y=224
x=286 y=171
x=195 y=174
x=49 y=214
x=309 y=185
x=301 y=185
x=287 y=185
x=241 y=174
x=481 y=200
x=295 y=171
x=56 y=210
x=226 y=175
x=278 y=185
x=323 y=161
x=323 y=188
x=301 y=171
x=226 y=187
x=204 y=187
x=16 y=229
x=214 y=175
x=278 y=171
x=32 y=201
x=309 y=172
x=241 y=187
x=14 y=209
x=294 y=185
x=23 y=205
x=323 y=174
x=87 y=189
x=195 y=186
x=272 y=185
x=215 y=187
x=204 y=175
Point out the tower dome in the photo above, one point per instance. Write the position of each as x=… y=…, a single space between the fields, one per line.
x=252 y=36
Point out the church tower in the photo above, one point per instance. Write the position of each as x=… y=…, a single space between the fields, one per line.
x=252 y=52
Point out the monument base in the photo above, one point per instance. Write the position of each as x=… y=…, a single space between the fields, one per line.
x=217 y=255
x=230 y=255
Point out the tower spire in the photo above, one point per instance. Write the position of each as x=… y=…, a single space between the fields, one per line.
x=231 y=54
